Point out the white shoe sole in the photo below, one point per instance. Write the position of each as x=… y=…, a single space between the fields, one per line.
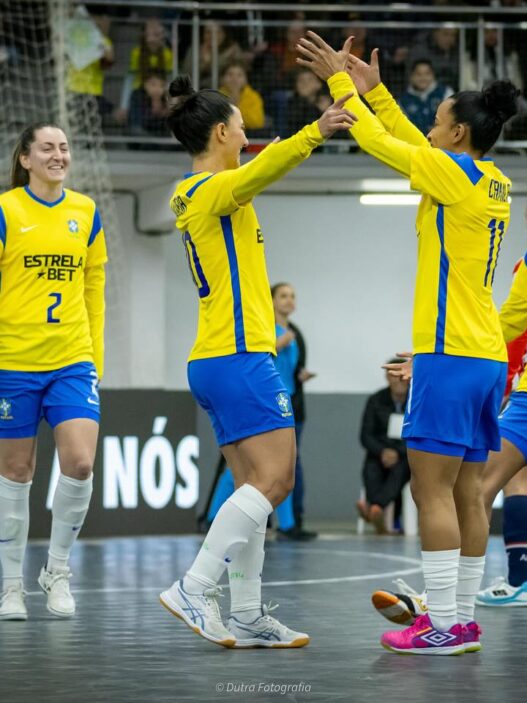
x=511 y=604
x=173 y=607
x=258 y=644
x=438 y=651
x=13 y=616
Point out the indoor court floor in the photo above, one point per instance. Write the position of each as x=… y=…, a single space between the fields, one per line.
x=123 y=647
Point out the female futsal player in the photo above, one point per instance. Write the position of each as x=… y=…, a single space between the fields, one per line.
x=52 y=256
x=460 y=356
x=231 y=372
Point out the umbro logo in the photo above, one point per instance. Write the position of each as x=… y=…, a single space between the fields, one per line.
x=26 y=229
x=437 y=639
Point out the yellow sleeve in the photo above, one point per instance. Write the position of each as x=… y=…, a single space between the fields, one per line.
x=96 y=243
x=134 y=60
x=513 y=313
x=94 y=279
x=393 y=118
x=224 y=192
x=3 y=232
x=444 y=176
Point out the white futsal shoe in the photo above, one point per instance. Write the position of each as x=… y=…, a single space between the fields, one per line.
x=200 y=612
x=265 y=631
x=403 y=606
x=56 y=584
x=501 y=593
x=12 y=606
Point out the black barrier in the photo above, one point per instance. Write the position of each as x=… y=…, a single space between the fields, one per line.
x=146 y=478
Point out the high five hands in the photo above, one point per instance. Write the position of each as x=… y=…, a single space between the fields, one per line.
x=325 y=62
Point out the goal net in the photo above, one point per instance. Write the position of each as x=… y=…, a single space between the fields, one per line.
x=34 y=64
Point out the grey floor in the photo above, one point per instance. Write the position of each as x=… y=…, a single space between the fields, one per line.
x=124 y=647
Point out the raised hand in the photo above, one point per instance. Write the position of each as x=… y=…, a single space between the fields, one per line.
x=321 y=58
x=336 y=118
x=365 y=76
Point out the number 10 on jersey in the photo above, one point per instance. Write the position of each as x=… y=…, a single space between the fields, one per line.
x=499 y=227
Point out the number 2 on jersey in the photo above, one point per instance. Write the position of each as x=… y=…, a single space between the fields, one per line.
x=58 y=301
x=494 y=227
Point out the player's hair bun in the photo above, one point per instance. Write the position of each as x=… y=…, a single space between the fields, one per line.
x=181 y=89
x=501 y=99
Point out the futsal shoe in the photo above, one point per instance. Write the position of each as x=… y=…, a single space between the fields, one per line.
x=296 y=534
x=200 y=612
x=376 y=516
x=471 y=634
x=502 y=594
x=423 y=638
x=401 y=608
x=56 y=584
x=12 y=606
x=265 y=631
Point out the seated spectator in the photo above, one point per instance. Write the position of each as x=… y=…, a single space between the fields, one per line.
x=151 y=54
x=149 y=106
x=440 y=48
x=423 y=95
x=228 y=50
x=385 y=469
x=235 y=86
x=307 y=102
x=491 y=72
x=89 y=80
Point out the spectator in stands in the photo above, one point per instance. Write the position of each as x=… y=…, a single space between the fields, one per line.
x=89 y=80
x=385 y=469
x=285 y=54
x=423 y=95
x=235 y=86
x=440 y=47
x=307 y=102
x=149 y=106
x=153 y=53
x=491 y=71
x=228 y=50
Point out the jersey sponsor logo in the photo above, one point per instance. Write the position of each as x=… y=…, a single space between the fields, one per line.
x=178 y=206
x=54 y=267
x=259 y=236
x=73 y=226
x=284 y=404
x=5 y=409
x=499 y=191
x=26 y=229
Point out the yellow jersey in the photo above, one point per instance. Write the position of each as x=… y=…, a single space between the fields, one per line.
x=513 y=313
x=224 y=246
x=153 y=62
x=462 y=219
x=47 y=251
x=90 y=79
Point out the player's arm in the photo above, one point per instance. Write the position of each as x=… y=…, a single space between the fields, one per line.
x=224 y=192
x=94 y=282
x=513 y=313
x=367 y=79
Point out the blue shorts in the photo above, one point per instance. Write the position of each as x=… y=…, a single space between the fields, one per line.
x=64 y=394
x=453 y=406
x=243 y=394
x=513 y=421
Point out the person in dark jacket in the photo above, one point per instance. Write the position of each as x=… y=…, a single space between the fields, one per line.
x=385 y=469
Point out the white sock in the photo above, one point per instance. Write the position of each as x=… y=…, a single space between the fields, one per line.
x=231 y=530
x=440 y=570
x=70 y=506
x=245 y=577
x=14 y=528
x=468 y=584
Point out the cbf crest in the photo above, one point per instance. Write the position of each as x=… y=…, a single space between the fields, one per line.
x=5 y=409
x=73 y=226
x=284 y=403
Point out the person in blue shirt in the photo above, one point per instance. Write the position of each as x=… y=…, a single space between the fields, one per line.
x=423 y=95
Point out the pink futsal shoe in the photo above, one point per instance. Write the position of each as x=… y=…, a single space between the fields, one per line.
x=471 y=633
x=423 y=638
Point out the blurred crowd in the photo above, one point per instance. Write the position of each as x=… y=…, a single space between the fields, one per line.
x=254 y=64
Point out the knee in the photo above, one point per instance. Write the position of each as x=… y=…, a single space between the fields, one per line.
x=18 y=470
x=80 y=468
x=277 y=490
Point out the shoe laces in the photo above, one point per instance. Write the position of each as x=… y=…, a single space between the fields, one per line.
x=12 y=591
x=211 y=604
x=60 y=581
x=266 y=609
x=405 y=588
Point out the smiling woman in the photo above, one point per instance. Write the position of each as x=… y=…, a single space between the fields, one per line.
x=52 y=256
x=231 y=372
